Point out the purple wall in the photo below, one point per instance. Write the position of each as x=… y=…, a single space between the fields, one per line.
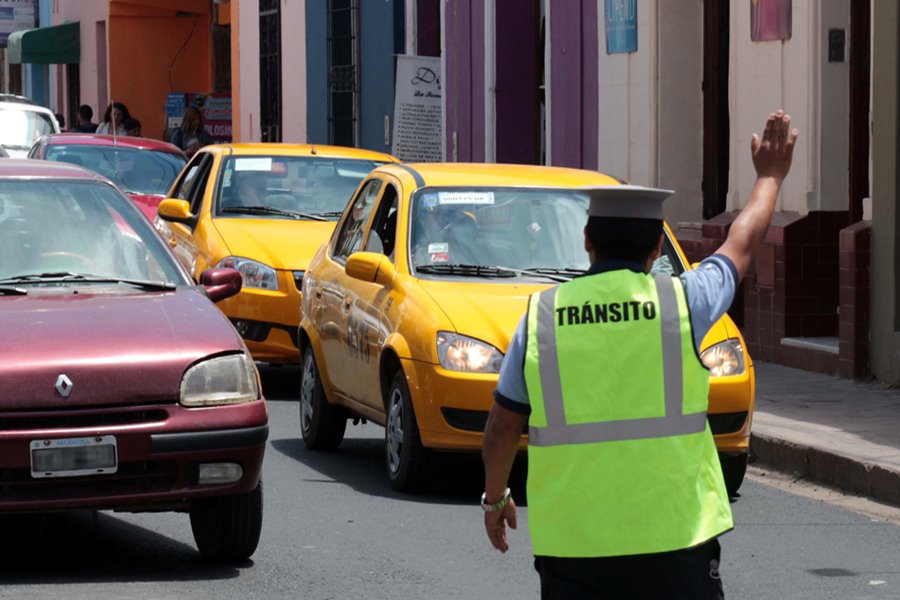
x=519 y=61
x=463 y=81
x=573 y=80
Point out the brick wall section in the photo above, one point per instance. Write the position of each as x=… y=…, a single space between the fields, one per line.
x=855 y=254
x=792 y=287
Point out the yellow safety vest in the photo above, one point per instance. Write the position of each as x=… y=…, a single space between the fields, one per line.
x=621 y=459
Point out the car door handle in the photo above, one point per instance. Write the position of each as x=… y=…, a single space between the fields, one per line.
x=347 y=301
x=318 y=292
x=173 y=241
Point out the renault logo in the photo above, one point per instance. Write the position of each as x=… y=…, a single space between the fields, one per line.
x=63 y=385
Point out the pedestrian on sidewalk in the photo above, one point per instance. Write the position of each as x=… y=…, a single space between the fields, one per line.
x=85 y=123
x=627 y=499
x=114 y=119
x=192 y=134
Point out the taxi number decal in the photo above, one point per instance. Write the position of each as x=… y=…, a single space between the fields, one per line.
x=432 y=248
x=358 y=340
x=466 y=197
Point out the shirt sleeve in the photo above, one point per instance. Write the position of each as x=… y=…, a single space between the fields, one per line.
x=710 y=290
x=511 y=392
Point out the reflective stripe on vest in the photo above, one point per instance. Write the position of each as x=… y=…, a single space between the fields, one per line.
x=674 y=423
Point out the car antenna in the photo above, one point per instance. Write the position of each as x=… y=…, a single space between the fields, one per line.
x=313 y=150
x=114 y=128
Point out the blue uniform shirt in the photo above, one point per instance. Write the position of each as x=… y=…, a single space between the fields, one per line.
x=709 y=289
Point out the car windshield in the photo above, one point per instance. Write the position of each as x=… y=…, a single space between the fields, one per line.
x=305 y=186
x=85 y=228
x=132 y=169
x=20 y=127
x=497 y=232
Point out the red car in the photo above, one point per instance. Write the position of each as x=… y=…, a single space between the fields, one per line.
x=122 y=386
x=143 y=168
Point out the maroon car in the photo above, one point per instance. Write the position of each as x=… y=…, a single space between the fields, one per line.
x=143 y=168
x=122 y=386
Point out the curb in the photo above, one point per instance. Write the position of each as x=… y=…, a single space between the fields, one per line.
x=826 y=467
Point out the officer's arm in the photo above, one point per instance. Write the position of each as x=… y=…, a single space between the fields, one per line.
x=772 y=157
x=501 y=441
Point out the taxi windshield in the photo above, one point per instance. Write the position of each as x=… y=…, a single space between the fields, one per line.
x=282 y=186
x=505 y=231
x=138 y=171
x=78 y=228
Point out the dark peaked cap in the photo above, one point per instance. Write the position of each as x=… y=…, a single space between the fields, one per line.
x=626 y=201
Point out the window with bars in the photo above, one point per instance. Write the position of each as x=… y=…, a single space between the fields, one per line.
x=270 y=69
x=343 y=72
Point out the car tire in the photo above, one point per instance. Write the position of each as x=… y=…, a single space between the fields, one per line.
x=408 y=462
x=322 y=425
x=734 y=467
x=226 y=529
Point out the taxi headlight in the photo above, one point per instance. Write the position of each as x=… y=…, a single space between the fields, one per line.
x=224 y=380
x=255 y=274
x=462 y=353
x=725 y=358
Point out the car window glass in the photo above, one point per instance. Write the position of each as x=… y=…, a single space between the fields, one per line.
x=350 y=238
x=183 y=188
x=383 y=233
x=198 y=189
x=83 y=227
x=139 y=171
x=310 y=185
x=21 y=127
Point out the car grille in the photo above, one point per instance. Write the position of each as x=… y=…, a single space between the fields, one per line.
x=475 y=420
x=104 y=418
x=17 y=485
x=721 y=423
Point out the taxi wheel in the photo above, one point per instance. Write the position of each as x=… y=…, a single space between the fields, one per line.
x=227 y=529
x=322 y=425
x=408 y=462
x=734 y=467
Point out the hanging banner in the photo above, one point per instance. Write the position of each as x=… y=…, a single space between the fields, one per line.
x=418 y=116
x=16 y=15
x=620 y=18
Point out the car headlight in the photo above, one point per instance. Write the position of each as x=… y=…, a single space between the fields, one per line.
x=224 y=380
x=462 y=353
x=725 y=358
x=255 y=274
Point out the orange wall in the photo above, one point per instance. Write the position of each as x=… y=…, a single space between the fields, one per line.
x=154 y=51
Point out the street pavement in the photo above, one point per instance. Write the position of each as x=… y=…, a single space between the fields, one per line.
x=838 y=432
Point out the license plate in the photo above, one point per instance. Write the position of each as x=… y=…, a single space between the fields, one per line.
x=72 y=457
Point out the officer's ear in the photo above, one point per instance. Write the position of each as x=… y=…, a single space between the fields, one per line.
x=588 y=247
x=657 y=252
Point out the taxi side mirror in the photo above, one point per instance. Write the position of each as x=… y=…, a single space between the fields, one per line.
x=172 y=209
x=372 y=267
x=221 y=283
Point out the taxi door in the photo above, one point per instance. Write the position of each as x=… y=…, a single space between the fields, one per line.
x=331 y=295
x=367 y=306
x=191 y=186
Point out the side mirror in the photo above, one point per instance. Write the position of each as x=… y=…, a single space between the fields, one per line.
x=221 y=283
x=172 y=209
x=372 y=267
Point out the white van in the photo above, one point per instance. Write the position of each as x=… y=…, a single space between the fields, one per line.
x=22 y=122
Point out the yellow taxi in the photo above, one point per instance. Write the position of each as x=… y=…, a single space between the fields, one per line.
x=409 y=308
x=263 y=209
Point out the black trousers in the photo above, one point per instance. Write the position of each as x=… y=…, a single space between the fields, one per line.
x=691 y=574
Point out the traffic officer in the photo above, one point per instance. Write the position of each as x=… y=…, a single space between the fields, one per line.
x=625 y=493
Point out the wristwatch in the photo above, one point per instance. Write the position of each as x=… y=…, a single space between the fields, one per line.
x=499 y=505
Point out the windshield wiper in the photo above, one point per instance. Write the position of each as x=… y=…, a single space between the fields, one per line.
x=12 y=291
x=268 y=210
x=483 y=271
x=63 y=276
x=562 y=271
x=329 y=213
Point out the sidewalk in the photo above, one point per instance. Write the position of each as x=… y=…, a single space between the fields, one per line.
x=839 y=432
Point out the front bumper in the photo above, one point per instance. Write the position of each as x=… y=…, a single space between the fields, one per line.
x=159 y=452
x=452 y=407
x=268 y=320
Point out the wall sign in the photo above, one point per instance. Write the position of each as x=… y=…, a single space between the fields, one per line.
x=620 y=20
x=16 y=15
x=417 y=109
